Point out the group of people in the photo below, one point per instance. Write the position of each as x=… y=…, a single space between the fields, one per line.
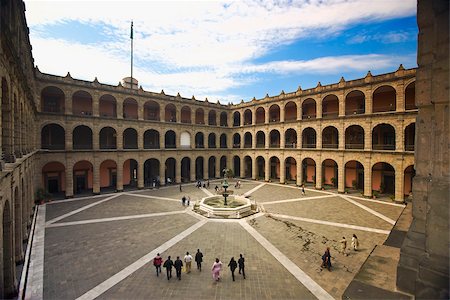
x=178 y=265
x=326 y=257
x=185 y=200
x=205 y=184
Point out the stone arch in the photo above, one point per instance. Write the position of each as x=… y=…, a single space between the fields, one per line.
x=236 y=165
x=248 y=139
x=53 y=137
x=330 y=138
x=290 y=140
x=309 y=109
x=151 y=172
x=383 y=137
x=6 y=122
x=309 y=170
x=330 y=106
x=151 y=139
x=236 y=140
x=108 y=175
x=199 y=172
x=236 y=119
x=130 y=109
x=223 y=119
x=151 y=111
x=185 y=140
x=107 y=106
x=186 y=115
x=52 y=100
x=7 y=288
x=82 y=138
x=212 y=167
x=410 y=96
x=260 y=168
x=54 y=177
x=274 y=139
x=82 y=177
x=199 y=116
x=82 y=103
x=274 y=113
x=355 y=103
x=290 y=111
x=409 y=174
x=130 y=173
x=223 y=141
x=410 y=135
x=290 y=169
x=354 y=175
x=108 y=138
x=247 y=167
x=384 y=99
x=130 y=138
x=309 y=138
x=383 y=178
x=170 y=113
x=170 y=170
x=260 y=139
x=260 y=115
x=18 y=225
x=330 y=172
x=223 y=165
x=248 y=117
x=212 y=140
x=274 y=164
x=199 y=140
x=212 y=119
x=186 y=169
x=354 y=137
x=170 y=140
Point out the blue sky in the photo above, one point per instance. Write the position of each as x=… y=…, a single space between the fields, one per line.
x=223 y=50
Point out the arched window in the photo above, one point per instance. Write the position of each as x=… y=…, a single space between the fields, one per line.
x=383 y=137
x=52 y=100
x=53 y=137
x=82 y=103
x=82 y=138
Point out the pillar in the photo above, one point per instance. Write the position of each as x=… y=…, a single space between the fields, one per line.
x=400 y=98
x=399 y=181
x=68 y=139
x=205 y=168
x=119 y=138
x=341 y=175
x=242 y=175
x=119 y=106
x=399 y=137
x=119 y=185
x=162 y=172
x=319 y=137
x=140 y=174
x=95 y=138
x=282 y=170
x=299 y=172
x=266 y=115
x=369 y=101
x=178 y=170
x=96 y=179
x=218 y=170
x=367 y=180
x=319 y=175
x=254 y=116
x=282 y=113
x=69 y=179
x=282 y=139
x=299 y=111
x=192 y=169
x=254 y=168
x=368 y=138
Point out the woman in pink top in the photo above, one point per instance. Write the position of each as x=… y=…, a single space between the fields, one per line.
x=217 y=266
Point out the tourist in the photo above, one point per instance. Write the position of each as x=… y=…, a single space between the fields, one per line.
x=199 y=259
x=181 y=188
x=216 y=188
x=188 y=200
x=303 y=189
x=188 y=260
x=326 y=259
x=157 y=261
x=233 y=265
x=178 y=265
x=168 y=264
x=216 y=267
x=241 y=263
x=183 y=200
x=355 y=242
x=343 y=246
x=207 y=183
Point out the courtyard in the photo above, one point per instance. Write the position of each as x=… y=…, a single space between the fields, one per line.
x=103 y=246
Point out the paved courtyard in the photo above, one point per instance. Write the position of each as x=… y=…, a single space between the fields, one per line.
x=103 y=246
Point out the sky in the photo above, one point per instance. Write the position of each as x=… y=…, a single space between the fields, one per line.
x=225 y=51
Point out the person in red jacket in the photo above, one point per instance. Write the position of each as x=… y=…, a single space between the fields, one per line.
x=157 y=262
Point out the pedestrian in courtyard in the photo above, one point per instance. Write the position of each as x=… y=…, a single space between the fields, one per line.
x=343 y=246
x=168 y=264
x=355 y=242
x=216 y=188
x=183 y=200
x=241 y=263
x=181 y=189
x=157 y=261
x=188 y=261
x=207 y=183
x=233 y=265
x=216 y=267
x=188 y=200
x=199 y=259
x=326 y=259
x=178 y=265
x=303 y=189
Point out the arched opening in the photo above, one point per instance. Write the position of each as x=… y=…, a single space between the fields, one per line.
x=290 y=138
x=274 y=167
x=290 y=111
x=82 y=138
x=330 y=138
x=410 y=96
x=212 y=167
x=354 y=137
x=354 y=175
x=107 y=106
x=410 y=135
x=247 y=140
x=408 y=180
x=151 y=111
x=274 y=114
x=7 y=288
x=170 y=170
x=247 y=167
x=186 y=115
x=247 y=117
x=237 y=166
x=309 y=109
x=212 y=119
x=383 y=137
x=309 y=138
x=82 y=177
x=170 y=139
x=384 y=99
x=199 y=140
x=260 y=139
x=170 y=114
x=54 y=178
x=355 y=103
x=108 y=175
x=130 y=173
x=199 y=116
x=151 y=173
x=236 y=140
x=223 y=119
x=212 y=140
x=6 y=123
x=260 y=115
x=130 y=109
x=309 y=170
x=130 y=139
x=52 y=100
x=260 y=168
x=199 y=172
x=185 y=140
x=186 y=169
x=53 y=137
x=108 y=138
x=290 y=169
x=82 y=103
x=236 y=119
x=274 y=139
x=330 y=106
x=223 y=141
x=151 y=139
x=383 y=178
x=223 y=165
x=330 y=172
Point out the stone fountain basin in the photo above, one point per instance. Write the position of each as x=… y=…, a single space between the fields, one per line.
x=213 y=206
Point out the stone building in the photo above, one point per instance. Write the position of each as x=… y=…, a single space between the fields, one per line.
x=70 y=137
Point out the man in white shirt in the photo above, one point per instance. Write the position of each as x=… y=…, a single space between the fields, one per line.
x=188 y=260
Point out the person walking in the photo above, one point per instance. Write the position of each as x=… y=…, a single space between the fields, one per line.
x=207 y=184
x=199 y=259
x=355 y=242
x=181 y=189
x=241 y=263
x=216 y=267
x=183 y=200
x=188 y=200
x=188 y=261
x=303 y=190
x=157 y=261
x=233 y=265
x=178 y=265
x=326 y=259
x=168 y=264
x=343 y=246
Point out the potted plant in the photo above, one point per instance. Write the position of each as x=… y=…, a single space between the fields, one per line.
x=354 y=184
x=333 y=181
x=381 y=188
x=314 y=179
x=41 y=196
x=375 y=194
x=346 y=190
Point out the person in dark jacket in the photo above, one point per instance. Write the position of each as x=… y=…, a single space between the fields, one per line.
x=241 y=264
x=326 y=259
x=178 y=265
x=199 y=259
x=233 y=265
x=168 y=264
x=157 y=261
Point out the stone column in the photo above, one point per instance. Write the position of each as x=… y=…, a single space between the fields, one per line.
x=299 y=172
x=192 y=169
x=95 y=105
x=242 y=117
x=218 y=170
x=399 y=137
x=140 y=173
x=95 y=138
x=282 y=113
x=369 y=101
x=119 y=106
x=266 y=115
x=341 y=176
x=318 y=175
x=267 y=169
x=318 y=108
x=368 y=137
x=69 y=178
x=68 y=103
x=96 y=178
x=162 y=172
x=140 y=111
x=254 y=168
x=119 y=138
x=68 y=138
x=267 y=138
x=205 y=168
x=399 y=181
x=162 y=114
x=400 y=98
x=119 y=185
x=319 y=137
x=242 y=175
x=254 y=116
x=299 y=111
x=341 y=135
x=282 y=169
x=178 y=169
x=367 y=179
x=282 y=138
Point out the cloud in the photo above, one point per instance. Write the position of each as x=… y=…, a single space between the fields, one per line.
x=390 y=37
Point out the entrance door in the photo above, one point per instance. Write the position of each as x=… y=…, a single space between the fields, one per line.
x=80 y=183
x=53 y=185
x=388 y=184
x=360 y=183
x=113 y=178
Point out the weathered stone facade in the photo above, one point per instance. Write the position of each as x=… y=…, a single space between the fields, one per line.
x=423 y=269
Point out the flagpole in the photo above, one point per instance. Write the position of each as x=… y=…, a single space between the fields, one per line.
x=131 y=36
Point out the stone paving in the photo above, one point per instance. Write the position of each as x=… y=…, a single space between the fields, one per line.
x=90 y=252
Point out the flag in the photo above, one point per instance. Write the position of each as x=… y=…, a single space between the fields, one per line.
x=131 y=35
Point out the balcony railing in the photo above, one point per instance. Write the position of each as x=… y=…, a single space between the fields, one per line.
x=354 y=146
x=309 y=146
x=330 y=114
x=247 y=145
x=82 y=147
x=330 y=146
x=236 y=145
x=274 y=146
x=305 y=117
x=108 y=147
x=354 y=112
x=383 y=147
x=170 y=146
x=409 y=147
x=260 y=145
x=290 y=145
x=199 y=146
x=53 y=146
x=150 y=146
